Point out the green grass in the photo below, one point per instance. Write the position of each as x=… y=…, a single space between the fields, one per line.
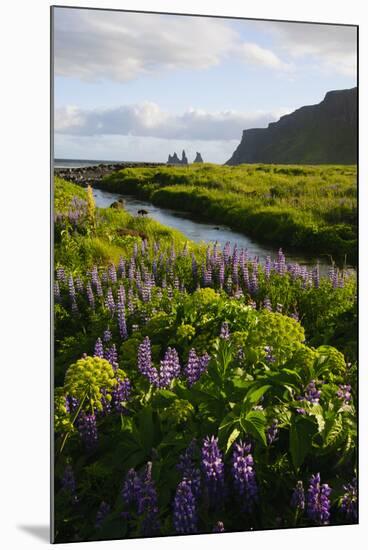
x=310 y=208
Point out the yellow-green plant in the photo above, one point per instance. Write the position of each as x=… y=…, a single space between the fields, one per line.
x=86 y=379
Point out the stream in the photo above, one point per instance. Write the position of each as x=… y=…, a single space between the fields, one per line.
x=199 y=231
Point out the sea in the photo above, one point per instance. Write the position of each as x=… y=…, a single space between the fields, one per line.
x=84 y=163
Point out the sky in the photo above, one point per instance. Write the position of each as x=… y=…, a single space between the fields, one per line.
x=137 y=87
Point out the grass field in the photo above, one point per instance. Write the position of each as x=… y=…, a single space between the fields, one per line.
x=310 y=208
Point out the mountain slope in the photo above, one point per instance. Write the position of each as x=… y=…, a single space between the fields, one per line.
x=325 y=133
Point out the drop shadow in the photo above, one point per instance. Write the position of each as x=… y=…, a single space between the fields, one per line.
x=40 y=532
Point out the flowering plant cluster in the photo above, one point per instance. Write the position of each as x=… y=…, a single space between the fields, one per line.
x=196 y=393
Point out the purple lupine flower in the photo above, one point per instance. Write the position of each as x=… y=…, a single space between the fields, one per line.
x=131 y=270
x=104 y=278
x=99 y=290
x=102 y=513
x=213 y=470
x=122 y=321
x=226 y=252
x=112 y=273
x=349 y=502
x=121 y=294
x=334 y=277
x=245 y=276
x=279 y=308
x=60 y=275
x=106 y=404
x=221 y=274
x=235 y=273
x=253 y=283
x=90 y=296
x=131 y=301
x=272 y=432
x=71 y=287
x=195 y=366
x=224 y=331
x=298 y=497
x=121 y=267
x=312 y=394
x=68 y=483
x=87 y=428
x=121 y=394
x=57 y=295
x=267 y=304
x=268 y=267
x=99 y=350
x=188 y=469
x=79 y=284
x=132 y=487
x=191 y=371
x=147 y=504
x=109 y=302
x=244 y=475
x=344 y=393
x=219 y=527
x=318 y=501
x=281 y=263
x=107 y=336
x=94 y=275
x=185 y=509
x=145 y=365
x=169 y=369
x=71 y=404
x=111 y=355
x=207 y=276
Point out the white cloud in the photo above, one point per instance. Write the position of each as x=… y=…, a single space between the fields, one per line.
x=332 y=48
x=94 y=45
x=120 y=46
x=255 y=54
x=149 y=120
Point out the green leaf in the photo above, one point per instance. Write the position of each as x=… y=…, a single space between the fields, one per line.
x=317 y=411
x=333 y=432
x=232 y=437
x=254 y=395
x=301 y=433
x=254 y=422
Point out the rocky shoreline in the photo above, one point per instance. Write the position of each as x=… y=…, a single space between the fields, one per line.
x=92 y=175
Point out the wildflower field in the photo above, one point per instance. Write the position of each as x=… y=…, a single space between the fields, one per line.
x=196 y=389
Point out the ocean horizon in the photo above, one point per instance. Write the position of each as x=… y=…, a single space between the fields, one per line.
x=82 y=163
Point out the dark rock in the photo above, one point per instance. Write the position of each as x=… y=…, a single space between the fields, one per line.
x=198 y=158
x=316 y=134
x=184 y=159
x=116 y=205
x=142 y=212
